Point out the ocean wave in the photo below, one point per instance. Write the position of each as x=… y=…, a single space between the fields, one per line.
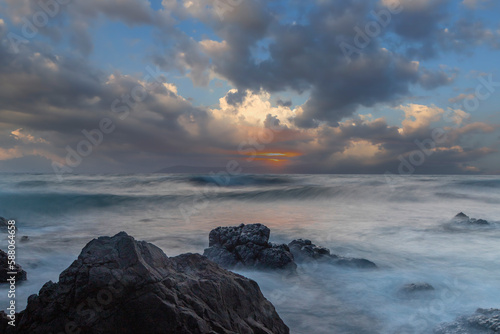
x=480 y=183
x=57 y=203
x=31 y=184
x=295 y=193
x=239 y=180
x=468 y=197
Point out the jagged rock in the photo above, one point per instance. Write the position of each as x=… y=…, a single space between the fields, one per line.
x=415 y=287
x=484 y=321
x=305 y=250
x=119 y=285
x=462 y=218
x=4 y=269
x=247 y=246
x=478 y=221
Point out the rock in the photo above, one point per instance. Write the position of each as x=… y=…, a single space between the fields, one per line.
x=478 y=221
x=484 y=321
x=4 y=224
x=119 y=285
x=247 y=246
x=4 y=323
x=25 y=238
x=305 y=250
x=4 y=269
x=415 y=287
x=462 y=218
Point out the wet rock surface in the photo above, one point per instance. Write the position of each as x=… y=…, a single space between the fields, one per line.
x=305 y=250
x=247 y=246
x=462 y=218
x=120 y=285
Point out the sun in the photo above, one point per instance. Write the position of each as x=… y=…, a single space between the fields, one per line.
x=275 y=158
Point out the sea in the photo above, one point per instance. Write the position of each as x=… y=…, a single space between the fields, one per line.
x=403 y=224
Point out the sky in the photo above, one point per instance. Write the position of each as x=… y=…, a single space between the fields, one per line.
x=395 y=87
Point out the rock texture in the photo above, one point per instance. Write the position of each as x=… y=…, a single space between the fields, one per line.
x=305 y=250
x=462 y=218
x=4 y=269
x=119 y=285
x=484 y=321
x=247 y=246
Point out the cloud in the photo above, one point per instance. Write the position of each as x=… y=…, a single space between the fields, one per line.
x=49 y=97
x=19 y=134
x=474 y=4
x=74 y=19
x=460 y=98
x=433 y=79
x=305 y=56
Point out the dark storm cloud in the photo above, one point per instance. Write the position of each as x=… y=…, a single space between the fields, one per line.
x=307 y=57
x=287 y=103
x=433 y=79
x=236 y=98
x=420 y=20
x=53 y=97
x=451 y=155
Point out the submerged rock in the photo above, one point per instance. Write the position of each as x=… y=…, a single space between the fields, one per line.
x=462 y=218
x=247 y=246
x=120 y=285
x=415 y=287
x=5 y=269
x=305 y=250
x=484 y=321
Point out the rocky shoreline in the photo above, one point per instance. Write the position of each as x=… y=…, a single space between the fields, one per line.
x=120 y=285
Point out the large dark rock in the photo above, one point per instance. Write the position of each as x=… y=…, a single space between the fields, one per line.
x=462 y=218
x=247 y=246
x=484 y=321
x=305 y=250
x=5 y=268
x=119 y=285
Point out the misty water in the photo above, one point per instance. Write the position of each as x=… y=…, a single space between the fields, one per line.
x=403 y=226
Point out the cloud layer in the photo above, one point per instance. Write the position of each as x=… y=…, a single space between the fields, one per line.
x=324 y=55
